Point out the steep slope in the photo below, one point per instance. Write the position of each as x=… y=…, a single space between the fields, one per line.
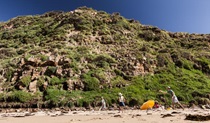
x=74 y=58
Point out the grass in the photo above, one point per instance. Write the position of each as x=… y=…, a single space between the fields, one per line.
x=100 y=59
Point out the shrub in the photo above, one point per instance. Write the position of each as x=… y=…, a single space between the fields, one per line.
x=50 y=70
x=118 y=81
x=25 y=80
x=104 y=61
x=99 y=74
x=43 y=57
x=91 y=83
x=7 y=52
x=41 y=81
x=147 y=35
x=187 y=64
x=83 y=23
x=55 y=80
x=3 y=97
x=6 y=35
x=205 y=63
x=134 y=95
x=74 y=66
x=21 y=96
x=27 y=56
x=9 y=73
x=57 y=97
x=82 y=50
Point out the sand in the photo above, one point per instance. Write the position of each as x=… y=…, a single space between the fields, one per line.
x=128 y=116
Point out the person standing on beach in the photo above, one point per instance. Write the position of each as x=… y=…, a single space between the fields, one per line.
x=121 y=101
x=174 y=97
x=103 y=104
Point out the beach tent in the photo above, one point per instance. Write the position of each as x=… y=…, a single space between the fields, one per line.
x=147 y=105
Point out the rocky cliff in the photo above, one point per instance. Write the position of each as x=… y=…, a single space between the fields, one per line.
x=73 y=58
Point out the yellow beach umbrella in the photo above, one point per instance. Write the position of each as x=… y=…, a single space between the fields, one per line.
x=147 y=105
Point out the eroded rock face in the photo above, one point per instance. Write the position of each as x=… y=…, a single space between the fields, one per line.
x=69 y=46
x=36 y=69
x=32 y=86
x=60 y=66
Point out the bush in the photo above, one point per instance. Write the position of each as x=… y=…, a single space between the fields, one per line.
x=55 y=80
x=74 y=66
x=43 y=58
x=104 y=61
x=147 y=35
x=51 y=70
x=57 y=97
x=3 y=97
x=41 y=81
x=118 y=81
x=91 y=83
x=83 y=23
x=21 y=96
x=100 y=75
x=9 y=73
x=25 y=80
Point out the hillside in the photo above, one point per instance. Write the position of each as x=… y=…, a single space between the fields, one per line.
x=73 y=58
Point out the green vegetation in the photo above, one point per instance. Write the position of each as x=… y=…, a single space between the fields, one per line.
x=74 y=58
x=25 y=80
x=90 y=82
x=21 y=96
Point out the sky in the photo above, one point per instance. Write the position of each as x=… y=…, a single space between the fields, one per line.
x=191 y=16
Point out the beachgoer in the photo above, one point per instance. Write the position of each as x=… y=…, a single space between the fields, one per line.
x=174 y=97
x=121 y=101
x=103 y=104
x=157 y=105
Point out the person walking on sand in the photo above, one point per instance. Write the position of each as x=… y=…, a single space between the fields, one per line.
x=103 y=104
x=121 y=101
x=174 y=97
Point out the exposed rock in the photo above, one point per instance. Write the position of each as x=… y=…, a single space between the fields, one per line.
x=118 y=116
x=35 y=74
x=32 y=86
x=66 y=50
x=197 y=117
x=167 y=115
x=70 y=84
x=59 y=72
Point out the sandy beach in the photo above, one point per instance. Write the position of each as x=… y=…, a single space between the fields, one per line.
x=128 y=116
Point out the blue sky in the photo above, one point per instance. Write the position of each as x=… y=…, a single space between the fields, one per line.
x=192 y=16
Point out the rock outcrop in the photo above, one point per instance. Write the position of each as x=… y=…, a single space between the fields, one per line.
x=72 y=58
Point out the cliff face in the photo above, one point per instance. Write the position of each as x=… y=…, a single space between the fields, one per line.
x=73 y=58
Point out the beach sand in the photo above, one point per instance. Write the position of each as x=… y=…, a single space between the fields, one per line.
x=128 y=116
